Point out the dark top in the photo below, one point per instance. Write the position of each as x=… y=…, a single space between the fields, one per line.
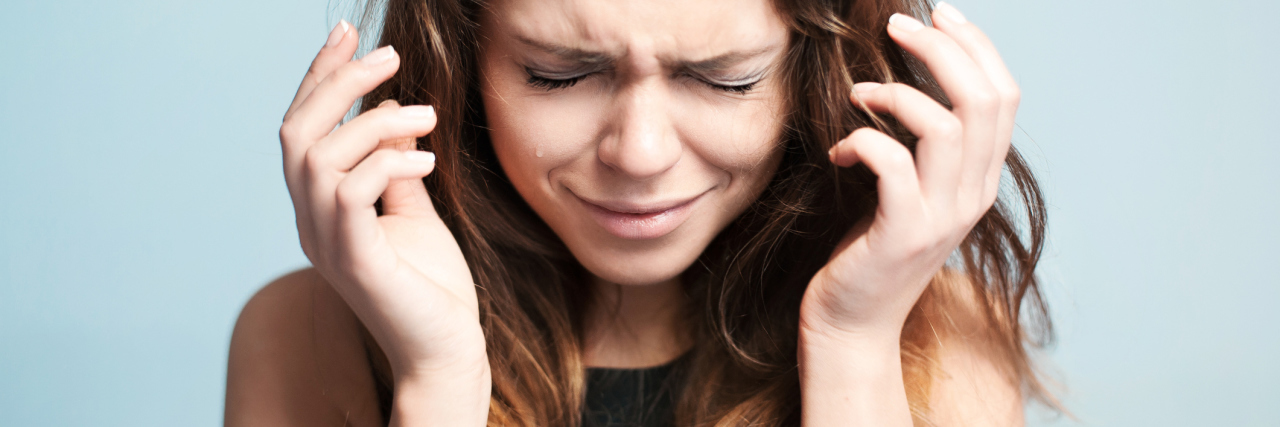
x=632 y=397
x=642 y=397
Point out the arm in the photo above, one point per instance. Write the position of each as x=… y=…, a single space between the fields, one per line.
x=854 y=309
x=973 y=384
x=854 y=381
x=401 y=272
x=298 y=358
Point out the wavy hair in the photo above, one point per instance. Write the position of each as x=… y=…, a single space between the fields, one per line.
x=747 y=285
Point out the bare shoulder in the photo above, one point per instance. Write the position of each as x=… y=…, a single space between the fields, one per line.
x=975 y=384
x=298 y=358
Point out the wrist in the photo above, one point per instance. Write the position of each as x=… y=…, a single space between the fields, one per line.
x=465 y=366
x=872 y=351
x=820 y=327
x=852 y=378
x=833 y=311
x=443 y=396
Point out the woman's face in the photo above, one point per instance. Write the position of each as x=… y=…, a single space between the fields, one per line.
x=636 y=129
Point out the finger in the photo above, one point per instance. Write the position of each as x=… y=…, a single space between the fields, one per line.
x=328 y=161
x=979 y=47
x=939 y=152
x=899 y=187
x=338 y=48
x=329 y=102
x=406 y=197
x=972 y=95
x=347 y=145
x=354 y=196
x=965 y=83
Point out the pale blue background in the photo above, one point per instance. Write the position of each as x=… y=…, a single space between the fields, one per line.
x=141 y=201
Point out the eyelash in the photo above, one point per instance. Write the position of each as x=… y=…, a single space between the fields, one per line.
x=554 y=84
x=738 y=89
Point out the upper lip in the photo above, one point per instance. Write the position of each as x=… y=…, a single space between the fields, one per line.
x=628 y=207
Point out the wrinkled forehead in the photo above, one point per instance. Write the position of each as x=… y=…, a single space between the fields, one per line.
x=667 y=29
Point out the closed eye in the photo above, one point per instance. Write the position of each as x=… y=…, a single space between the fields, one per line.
x=737 y=89
x=736 y=86
x=550 y=84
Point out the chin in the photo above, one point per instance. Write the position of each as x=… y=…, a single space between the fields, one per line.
x=637 y=262
x=637 y=269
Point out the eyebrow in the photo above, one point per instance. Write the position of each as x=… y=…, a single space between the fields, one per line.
x=568 y=53
x=598 y=58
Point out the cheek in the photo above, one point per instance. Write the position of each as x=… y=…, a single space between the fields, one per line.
x=534 y=134
x=738 y=138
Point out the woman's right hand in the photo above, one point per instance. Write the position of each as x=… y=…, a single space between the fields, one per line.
x=402 y=273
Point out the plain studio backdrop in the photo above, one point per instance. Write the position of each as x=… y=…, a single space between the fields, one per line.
x=142 y=202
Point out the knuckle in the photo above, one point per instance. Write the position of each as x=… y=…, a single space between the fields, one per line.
x=948 y=128
x=346 y=194
x=313 y=160
x=1011 y=95
x=899 y=159
x=288 y=131
x=984 y=100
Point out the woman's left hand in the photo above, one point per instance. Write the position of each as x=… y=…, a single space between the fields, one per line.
x=929 y=203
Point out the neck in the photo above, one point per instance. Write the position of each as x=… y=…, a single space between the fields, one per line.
x=635 y=326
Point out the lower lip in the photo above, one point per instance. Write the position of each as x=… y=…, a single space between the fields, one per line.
x=650 y=225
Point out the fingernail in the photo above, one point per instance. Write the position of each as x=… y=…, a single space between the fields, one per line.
x=420 y=156
x=865 y=87
x=951 y=13
x=339 y=31
x=387 y=102
x=905 y=23
x=418 y=111
x=379 y=56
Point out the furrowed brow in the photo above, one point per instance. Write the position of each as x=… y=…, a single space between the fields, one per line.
x=568 y=53
x=722 y=61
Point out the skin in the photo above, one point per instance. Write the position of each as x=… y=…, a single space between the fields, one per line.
x=644 y=125
x=641 y=130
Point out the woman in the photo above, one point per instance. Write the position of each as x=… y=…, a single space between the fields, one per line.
x=696 y=188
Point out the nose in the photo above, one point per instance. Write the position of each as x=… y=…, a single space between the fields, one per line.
x=641 y=142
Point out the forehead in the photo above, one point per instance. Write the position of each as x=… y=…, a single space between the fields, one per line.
x=682 y=29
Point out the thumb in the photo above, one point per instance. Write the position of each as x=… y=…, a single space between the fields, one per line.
x=407 y=197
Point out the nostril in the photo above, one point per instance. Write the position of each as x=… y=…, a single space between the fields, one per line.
x=641 y=159
x=642 y=142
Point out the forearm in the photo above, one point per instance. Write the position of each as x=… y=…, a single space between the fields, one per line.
x=453 y=396
x=852 y=381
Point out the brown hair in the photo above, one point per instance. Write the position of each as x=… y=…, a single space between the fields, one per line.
x=747 y=285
